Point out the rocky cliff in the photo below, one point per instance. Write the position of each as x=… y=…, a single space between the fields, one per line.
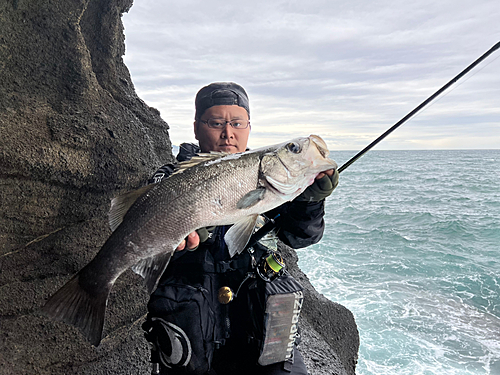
x=73 y=134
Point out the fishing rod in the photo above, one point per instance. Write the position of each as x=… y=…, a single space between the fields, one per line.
x=420 y=107
x=271 y=224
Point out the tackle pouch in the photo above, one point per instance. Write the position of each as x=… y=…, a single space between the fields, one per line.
x=274 y=327
x=181 y=325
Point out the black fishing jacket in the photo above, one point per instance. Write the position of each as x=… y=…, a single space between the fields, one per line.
x=298 y=224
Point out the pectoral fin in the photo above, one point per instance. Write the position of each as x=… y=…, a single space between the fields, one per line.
x=239 y=234
x=251 y=198
x=152 y=268
x=122 y=203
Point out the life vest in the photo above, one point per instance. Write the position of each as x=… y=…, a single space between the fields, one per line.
x=202 y=302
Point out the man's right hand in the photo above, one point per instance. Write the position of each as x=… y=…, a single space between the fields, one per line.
x=191 y=242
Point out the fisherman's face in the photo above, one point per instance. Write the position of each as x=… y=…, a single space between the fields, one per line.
x=227 y=139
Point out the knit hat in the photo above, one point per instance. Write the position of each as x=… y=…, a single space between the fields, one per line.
x=220 y=93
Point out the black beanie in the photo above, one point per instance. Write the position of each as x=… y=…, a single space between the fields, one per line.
x=220 y=93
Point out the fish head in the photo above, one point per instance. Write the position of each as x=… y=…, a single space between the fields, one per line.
x=292 y=166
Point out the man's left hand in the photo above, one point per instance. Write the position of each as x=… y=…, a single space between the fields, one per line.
x=322 y=187
x=329 y=172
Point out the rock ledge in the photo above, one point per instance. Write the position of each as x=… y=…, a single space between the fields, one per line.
x=73 y=134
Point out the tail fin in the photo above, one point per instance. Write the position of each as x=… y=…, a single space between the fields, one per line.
x=73 y=305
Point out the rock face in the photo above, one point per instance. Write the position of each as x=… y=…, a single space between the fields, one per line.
x=73 y=134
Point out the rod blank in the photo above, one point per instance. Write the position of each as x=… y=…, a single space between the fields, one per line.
x=418 y=108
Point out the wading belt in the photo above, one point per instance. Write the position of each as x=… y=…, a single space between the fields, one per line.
x=204 y=263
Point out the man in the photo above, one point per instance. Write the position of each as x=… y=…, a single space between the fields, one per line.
x=208 y=314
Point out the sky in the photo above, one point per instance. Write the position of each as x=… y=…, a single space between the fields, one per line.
x=345 y=70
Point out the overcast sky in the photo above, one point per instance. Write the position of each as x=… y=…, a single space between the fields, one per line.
x=345 y=70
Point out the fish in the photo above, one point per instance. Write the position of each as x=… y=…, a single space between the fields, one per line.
x=209 y=190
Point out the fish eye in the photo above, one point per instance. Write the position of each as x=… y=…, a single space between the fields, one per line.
x=293 y=147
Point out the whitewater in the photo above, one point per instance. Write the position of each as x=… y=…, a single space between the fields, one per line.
x=412 y=247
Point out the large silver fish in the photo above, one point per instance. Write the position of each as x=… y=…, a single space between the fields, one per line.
x=209 y=190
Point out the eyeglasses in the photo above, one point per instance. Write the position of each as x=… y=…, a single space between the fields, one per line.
x=218 y=123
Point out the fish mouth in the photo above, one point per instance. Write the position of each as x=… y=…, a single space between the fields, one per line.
x=320 y=144
x=322 y=148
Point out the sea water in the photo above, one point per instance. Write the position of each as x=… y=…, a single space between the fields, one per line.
x=411 y=247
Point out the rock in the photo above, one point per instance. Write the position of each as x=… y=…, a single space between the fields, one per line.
x=73 y=134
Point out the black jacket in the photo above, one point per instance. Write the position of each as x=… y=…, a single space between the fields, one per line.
x=238 y=325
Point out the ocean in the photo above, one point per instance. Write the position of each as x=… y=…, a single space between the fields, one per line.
x=411 y=247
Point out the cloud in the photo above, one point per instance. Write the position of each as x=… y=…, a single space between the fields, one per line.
x=344 y=70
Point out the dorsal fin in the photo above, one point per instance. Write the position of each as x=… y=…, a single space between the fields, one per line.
x=122 y=203
x=197 y=159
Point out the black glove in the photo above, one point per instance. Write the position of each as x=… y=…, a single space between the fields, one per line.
x=320 y=189
x=203 y=233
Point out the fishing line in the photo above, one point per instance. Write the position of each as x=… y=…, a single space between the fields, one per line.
x=456 y=86
x=419 y=107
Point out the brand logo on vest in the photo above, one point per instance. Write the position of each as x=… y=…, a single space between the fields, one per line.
x=173 y=344
x=299 y=298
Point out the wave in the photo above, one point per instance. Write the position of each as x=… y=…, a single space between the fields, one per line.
x=411 y=247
